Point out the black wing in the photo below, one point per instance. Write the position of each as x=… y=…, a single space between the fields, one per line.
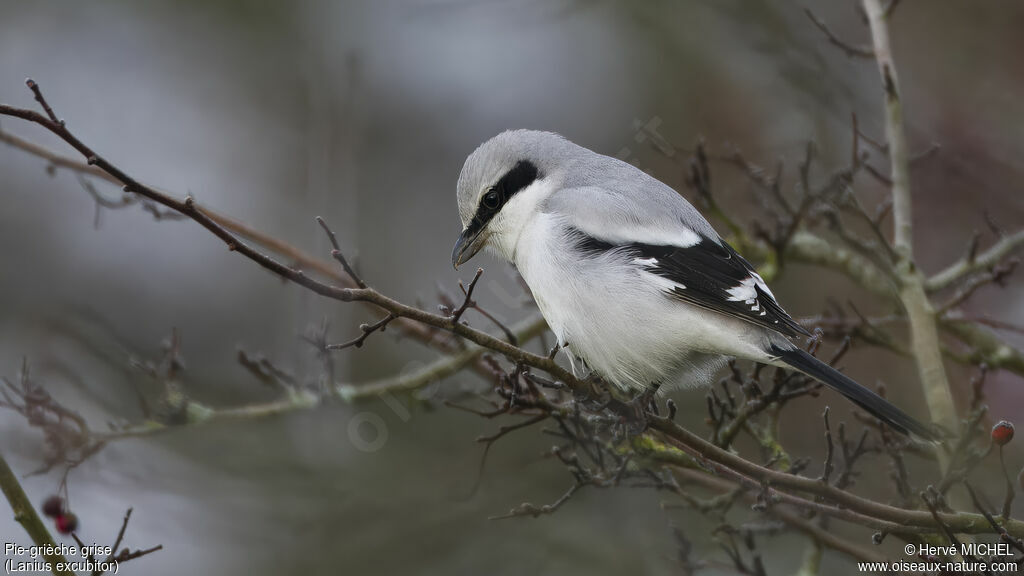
x=709 y=274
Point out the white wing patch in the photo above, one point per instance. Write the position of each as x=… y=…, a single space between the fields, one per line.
x=746 y=292
x=662 y=282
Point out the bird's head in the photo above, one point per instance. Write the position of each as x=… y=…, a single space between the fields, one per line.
x=501 y=184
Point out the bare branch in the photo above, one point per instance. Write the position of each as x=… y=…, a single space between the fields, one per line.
x=126 y=554
x=337 y=254
x=467 y=302
x=898 y=518
x=592 y=422
x=532 y=510
x=189 y=208
x=266 y=372
x=849 y=49
x=996 y=275
x=923 y=326
x=826 y=470
x=974 y=263
x=42 y=101
x=366 y=329
x=26 y=515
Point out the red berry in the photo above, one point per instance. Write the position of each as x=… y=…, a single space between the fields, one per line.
x=53 y=506
x=1002 y=433
x=67 y=523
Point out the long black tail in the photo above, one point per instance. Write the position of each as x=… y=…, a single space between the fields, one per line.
x=879 y=407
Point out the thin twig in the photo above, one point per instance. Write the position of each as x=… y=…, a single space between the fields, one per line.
x=532 y=510
x=467 y=302
x=42 y=101
x=366 y=330
x=826 y=470
x=974 y=262
x=338 y=255
x=849 y=49
x=189 y=208
x=764 y=478
x=693 y=444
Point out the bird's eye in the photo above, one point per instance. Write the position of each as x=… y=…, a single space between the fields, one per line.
x=492 y=199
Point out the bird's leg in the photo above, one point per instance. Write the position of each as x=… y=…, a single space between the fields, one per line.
x=554 y=350
x=652 y=401
x=595 y=396
x=641 y=404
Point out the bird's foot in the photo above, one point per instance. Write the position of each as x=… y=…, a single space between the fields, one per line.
x=641 y=405
x=594 y=396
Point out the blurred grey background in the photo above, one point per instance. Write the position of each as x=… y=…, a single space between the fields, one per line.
x=363 y=112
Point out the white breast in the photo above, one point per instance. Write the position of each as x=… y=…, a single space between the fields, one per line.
x=610 y=312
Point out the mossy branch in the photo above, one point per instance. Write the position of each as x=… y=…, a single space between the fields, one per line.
x=924 y=336
x=25 y=514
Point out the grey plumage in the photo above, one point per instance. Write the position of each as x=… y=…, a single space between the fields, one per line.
x=632 y=280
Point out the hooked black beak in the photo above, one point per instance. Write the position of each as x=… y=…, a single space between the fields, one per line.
x=469 y=243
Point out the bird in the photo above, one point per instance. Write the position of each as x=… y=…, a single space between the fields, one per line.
x=636 y=285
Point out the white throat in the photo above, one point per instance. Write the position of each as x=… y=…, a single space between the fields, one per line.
x=507 y=228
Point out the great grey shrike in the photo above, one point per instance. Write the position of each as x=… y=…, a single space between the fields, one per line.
x=635 y=284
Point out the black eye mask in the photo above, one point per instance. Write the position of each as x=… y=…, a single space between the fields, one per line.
x=519 y=177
